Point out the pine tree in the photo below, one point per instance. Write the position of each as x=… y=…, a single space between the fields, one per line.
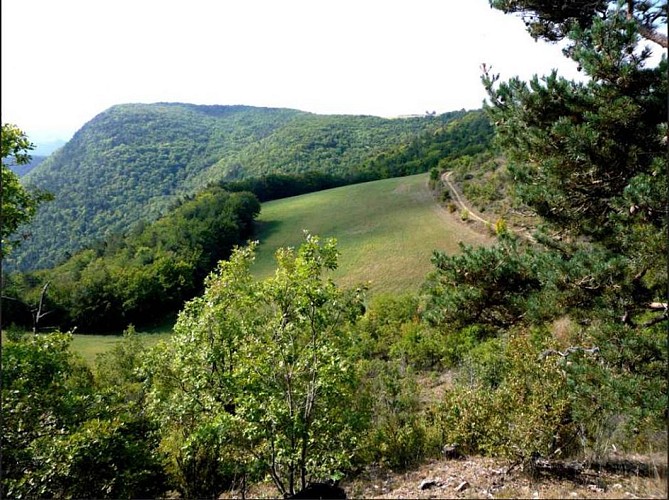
x=591 y=157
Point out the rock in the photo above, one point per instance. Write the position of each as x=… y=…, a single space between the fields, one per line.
x=462 y=486
x=595 y=488
x=451 y=452
x=426 y=484
x=321 y=491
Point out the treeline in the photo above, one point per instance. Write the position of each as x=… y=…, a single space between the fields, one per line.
x=466 y=137
x=469 y=135
x=139 y=277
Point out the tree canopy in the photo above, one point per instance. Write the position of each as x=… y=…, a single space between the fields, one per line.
x=553 y=21
x=257 y=373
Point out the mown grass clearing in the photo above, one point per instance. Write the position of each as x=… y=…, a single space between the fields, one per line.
x=386 y=230
x=89 y=346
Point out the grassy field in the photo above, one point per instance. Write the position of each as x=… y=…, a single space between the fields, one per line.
x=386 y=231
x=89 y=346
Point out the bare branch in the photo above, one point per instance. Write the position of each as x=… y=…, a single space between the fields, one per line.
x=568 y=351
x=654 y=36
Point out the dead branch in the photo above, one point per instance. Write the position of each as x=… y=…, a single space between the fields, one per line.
x=568 y=351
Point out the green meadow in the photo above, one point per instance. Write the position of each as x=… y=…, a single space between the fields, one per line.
x=89 y=346
x=386 y=231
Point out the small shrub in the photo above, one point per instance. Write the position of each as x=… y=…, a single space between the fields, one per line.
x=501 y=227
x=419 y=346
x=523 y=409
x=400 y=435
x=445 y=196
x=459 y=343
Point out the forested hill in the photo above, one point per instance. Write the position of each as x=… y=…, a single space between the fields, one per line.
x=134 y=161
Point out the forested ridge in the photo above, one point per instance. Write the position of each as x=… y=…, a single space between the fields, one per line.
x=134 y=161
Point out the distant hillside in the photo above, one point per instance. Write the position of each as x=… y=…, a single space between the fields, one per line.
x=133 y=161
x=45 y=148
x=22 y=170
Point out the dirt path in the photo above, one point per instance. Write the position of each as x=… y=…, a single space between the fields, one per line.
x=445 y=178
x=473 y=213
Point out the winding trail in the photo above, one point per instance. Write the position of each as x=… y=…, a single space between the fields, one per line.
x=473 y=213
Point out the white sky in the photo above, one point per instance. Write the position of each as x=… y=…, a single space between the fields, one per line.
x=65 y=61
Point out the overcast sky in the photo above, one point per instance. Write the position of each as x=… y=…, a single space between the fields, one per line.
x=65 y=61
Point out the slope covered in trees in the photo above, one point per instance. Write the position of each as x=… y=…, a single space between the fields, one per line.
x=139 y=278
x=134 y=161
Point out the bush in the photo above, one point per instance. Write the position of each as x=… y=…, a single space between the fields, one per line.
x=513 y=403
x=401 y=435
x=457 y=344
x=382 y=325
x=101 y=459
x=419 y=346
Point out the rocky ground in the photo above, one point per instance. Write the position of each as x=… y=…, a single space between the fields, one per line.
x=478 y=477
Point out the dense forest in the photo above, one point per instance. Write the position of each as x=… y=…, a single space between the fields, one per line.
x=139 y=278
x=552 y=347
x=135 y=161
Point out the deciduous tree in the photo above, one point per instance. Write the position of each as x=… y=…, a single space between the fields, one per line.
x=18 y=205
x=259 y=371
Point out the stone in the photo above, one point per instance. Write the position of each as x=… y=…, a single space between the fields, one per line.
x=462 y=486
x=426 y=484
x=451 y=452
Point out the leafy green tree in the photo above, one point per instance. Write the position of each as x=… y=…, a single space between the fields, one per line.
x=67 y=435
x=18 y=204
x=45 y=392
x=257 y=378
